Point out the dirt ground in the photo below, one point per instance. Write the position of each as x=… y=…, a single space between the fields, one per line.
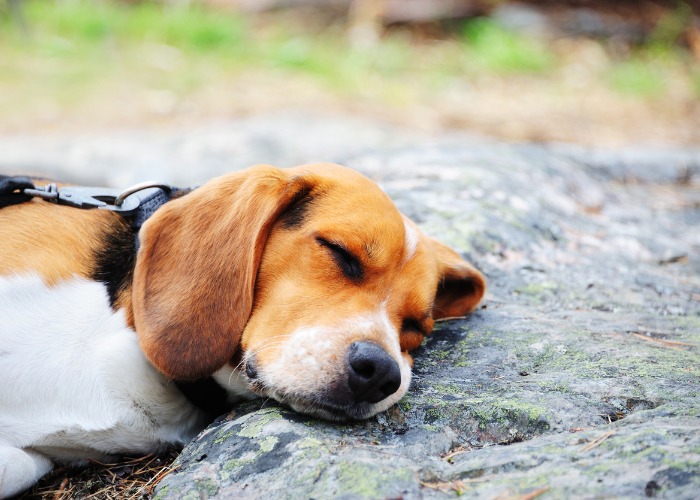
x=514 y=109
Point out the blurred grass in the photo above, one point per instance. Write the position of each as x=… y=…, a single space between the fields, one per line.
x=82 y=28
x=645 y=71
x=489 y=47
x=94 y=34
x=73 y=47
x=637 y=77
x=86 y=22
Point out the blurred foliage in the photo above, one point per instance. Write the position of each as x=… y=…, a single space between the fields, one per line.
x=695 y=81
x=637 y=77
x=670 y=29
x=79 y=26
x=103 y=32
x=60 y=51
x=644 y=72
x=81 y=21
x=493 y=48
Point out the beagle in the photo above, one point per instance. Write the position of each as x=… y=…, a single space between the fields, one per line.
x=305 y=285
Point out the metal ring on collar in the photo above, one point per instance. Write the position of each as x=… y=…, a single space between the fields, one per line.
x=119 y=200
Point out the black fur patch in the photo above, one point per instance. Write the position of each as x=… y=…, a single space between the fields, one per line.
x=206 y=394
x=115 y=261
x=298 y=210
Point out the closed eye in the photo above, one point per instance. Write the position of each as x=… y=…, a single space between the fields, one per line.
x=412 y=325
x=348 y=263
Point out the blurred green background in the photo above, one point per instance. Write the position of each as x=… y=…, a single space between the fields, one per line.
x=593 y=72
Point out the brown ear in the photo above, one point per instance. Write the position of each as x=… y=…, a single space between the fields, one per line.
x=196 y=268
x=460 y=286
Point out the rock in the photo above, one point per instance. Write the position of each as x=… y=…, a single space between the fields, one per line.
x=579 y=376
x=569 y=380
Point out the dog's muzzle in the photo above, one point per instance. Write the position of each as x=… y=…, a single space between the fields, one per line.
x=370 y=375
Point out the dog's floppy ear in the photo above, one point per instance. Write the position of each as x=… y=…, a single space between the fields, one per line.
x=460 y=285
x=195 y=271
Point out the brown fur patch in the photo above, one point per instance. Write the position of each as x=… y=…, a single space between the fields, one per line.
x=54 y=241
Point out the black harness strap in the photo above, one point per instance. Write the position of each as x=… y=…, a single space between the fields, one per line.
x=148 y=207
x=12 y=190
x=137 y=204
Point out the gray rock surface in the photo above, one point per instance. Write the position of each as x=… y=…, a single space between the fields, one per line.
x=579 y=376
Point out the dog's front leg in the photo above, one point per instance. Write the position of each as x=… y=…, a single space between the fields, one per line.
x=20 y=469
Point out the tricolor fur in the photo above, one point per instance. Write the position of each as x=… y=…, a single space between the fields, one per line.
x=305 y=285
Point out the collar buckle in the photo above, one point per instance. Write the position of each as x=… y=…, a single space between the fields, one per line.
x=114 y=200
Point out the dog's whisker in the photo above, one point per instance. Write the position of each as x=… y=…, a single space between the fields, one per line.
x=233 y=372
x=266 y=346
x=276 y=338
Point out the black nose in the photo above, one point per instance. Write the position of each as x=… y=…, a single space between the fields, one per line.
x=373 y=375
x=251 y=368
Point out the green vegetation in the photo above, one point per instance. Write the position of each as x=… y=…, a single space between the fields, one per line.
x=637 y=77
x=648 y=70
x=80 y=21
x=80 y=27
x=492 y=48
x=70 y=57
x=85 y=28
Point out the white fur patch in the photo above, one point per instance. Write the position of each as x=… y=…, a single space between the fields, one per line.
x=312 y=358
x=411 y=241
x=232 y=379
x=76 y=384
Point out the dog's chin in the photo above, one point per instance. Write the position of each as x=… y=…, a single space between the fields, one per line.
x=326 y=411
x=322 y=407
x=334 y=404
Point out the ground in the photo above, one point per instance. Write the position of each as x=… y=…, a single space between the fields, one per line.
x=577 y=376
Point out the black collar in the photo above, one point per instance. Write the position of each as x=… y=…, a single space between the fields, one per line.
x=148 y=206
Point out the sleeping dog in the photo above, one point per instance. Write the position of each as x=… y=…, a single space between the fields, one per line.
x=305 y=285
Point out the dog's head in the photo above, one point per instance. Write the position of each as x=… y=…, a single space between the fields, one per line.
x=310 y=273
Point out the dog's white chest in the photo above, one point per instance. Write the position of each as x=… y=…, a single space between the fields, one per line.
x=73 y=380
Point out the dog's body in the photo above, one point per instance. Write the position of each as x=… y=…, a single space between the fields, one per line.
x=305 y=285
